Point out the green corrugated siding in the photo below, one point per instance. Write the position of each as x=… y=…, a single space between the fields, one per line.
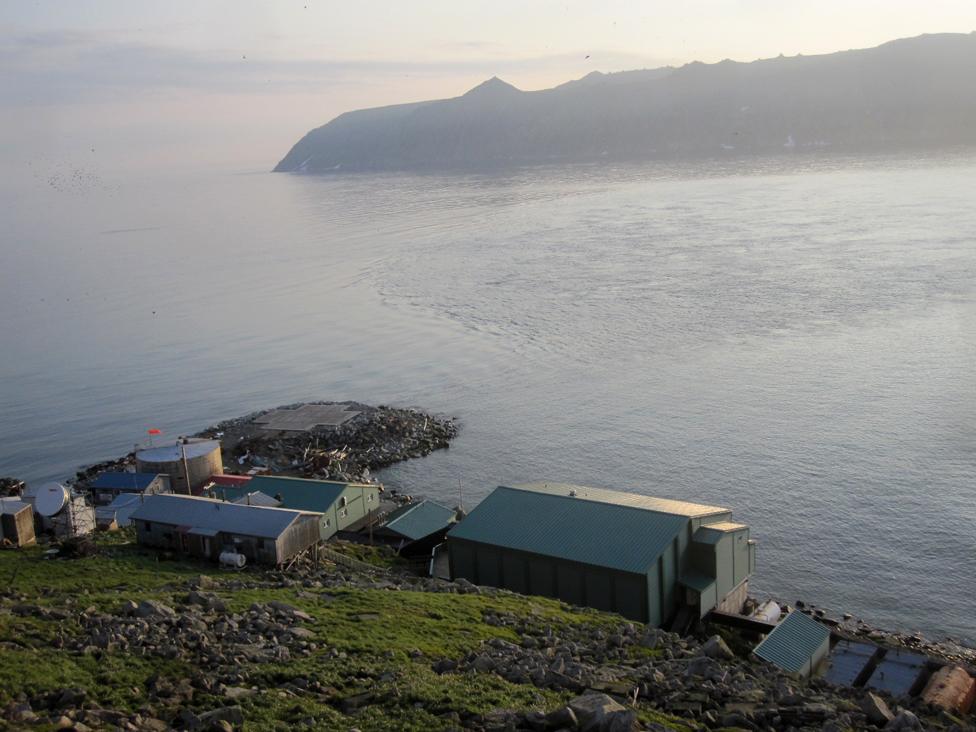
x=795 y=644
x=605 y=535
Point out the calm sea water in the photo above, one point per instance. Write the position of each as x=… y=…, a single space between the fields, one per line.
x=795 y=341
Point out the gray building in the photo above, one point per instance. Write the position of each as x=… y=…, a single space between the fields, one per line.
x=203 y=527
x=645 y=558
x=109 y=486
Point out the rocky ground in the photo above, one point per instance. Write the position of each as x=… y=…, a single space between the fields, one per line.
x=375 y=438
x=123 y=641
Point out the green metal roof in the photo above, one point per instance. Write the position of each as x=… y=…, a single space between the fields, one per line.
x=792 y=644
x=296 y=493
x=698 y=582
x=416 y=521
x=623 y=537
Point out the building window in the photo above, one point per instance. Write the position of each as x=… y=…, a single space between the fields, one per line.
x=342 y=502
x=343 y=513
x=369 y=498
x=328 y=522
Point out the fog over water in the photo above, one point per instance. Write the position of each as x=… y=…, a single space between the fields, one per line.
x=795 y=340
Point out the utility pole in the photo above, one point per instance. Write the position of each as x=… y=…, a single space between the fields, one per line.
x=186 y=468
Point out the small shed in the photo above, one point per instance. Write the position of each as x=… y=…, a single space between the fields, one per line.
x=16 y=522
x=107 y=486
x=797 y=645
x=119 y=511
x=341 y=505
x=416 y=527
x=203 y=527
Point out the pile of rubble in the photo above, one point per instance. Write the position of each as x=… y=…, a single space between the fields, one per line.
x=10 y=487
x=202 y=631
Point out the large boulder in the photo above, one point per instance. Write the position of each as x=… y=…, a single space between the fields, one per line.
x=717 y=648
x=600 y=713
x=876 y=710
x=904 y=722
x=154 y=609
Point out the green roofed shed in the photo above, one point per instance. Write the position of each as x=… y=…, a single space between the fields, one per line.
x=417 y=521
x=341 y=504
x=797 y=645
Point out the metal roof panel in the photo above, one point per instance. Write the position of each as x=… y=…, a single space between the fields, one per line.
x=419 y=520
x=199 y=513
x=300 y=494
x=621 y=498
x=792 y=644
x=124 y=481
x=592 y=532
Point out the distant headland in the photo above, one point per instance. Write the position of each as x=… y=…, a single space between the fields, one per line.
x=914 y=93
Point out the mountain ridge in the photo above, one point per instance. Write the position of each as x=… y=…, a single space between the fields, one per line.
x=907 y=93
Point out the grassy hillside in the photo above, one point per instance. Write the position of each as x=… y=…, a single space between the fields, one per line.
x=365 y=660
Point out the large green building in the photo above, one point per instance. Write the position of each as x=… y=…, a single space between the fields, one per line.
x=645 y=558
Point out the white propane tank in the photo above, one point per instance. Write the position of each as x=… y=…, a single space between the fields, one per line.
x=768 y=611
x=232 y=559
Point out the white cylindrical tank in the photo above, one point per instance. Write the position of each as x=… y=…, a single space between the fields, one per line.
x=768 y=611
x=233 y=559
x=193 y=458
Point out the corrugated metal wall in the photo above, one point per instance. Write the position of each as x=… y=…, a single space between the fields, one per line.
x=571 y=582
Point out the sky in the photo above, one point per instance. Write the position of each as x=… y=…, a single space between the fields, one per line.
x=232 y=84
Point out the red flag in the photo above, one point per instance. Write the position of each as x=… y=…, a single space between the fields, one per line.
x=154 y=431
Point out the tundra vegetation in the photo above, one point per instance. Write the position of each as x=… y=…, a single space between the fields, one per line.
x=121 y=638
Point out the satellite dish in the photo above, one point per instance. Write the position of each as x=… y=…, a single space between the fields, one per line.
x=50 y=499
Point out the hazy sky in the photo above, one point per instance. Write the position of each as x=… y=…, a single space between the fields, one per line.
x=232 y=84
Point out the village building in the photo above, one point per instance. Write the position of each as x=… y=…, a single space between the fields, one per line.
x=202 y=527
x=117 y=513
x=655 y=560
x=108 y=486
x=16 y=522
x=416 y=528
x=343 y=506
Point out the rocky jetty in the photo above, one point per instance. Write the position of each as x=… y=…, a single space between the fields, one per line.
x=374 y=438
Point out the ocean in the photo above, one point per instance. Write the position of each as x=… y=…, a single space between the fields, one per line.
x=794 y=338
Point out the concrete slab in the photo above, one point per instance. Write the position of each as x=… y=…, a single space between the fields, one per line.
x=306 y=418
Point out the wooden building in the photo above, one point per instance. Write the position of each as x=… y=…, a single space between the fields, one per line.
x=655 y=560
x=203 y=527
x=16 y=522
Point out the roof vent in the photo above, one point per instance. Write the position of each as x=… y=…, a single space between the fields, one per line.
x=573 y=493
